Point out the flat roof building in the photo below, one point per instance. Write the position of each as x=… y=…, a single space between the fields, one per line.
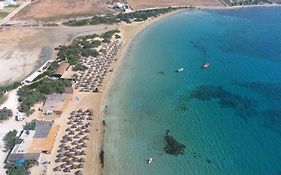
x=34 y=142
x=55 y=104
x=61 y=69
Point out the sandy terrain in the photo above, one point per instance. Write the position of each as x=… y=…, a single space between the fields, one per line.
x=54 y=9
x=23 y=49
x=141 y=4
x=10 y=124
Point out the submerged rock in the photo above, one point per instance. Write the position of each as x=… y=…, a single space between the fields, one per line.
x=172 y=146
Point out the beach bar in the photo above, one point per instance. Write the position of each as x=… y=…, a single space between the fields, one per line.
x=34 y=142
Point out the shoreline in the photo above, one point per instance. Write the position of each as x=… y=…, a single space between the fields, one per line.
x=237 y=7
x=131 y=32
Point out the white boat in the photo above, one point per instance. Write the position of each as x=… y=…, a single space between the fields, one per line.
x=149 y=160
x=206 y=65
x=180 y=69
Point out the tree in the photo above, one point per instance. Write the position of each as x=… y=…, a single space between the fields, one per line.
x=11 y=139
x=5 y=113
x=30 y=125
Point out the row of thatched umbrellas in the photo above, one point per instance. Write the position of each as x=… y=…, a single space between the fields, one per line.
x=92 y=79
x=71 y=153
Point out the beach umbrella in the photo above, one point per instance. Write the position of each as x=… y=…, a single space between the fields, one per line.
x=58 y=160
x=76 y=136
x=63 y=165
x=66 y=170
x=80 y=165
x=78 y=147
x=79 y=172
x=74 y=125
x=57 y=168
x=86 y=138
x=59 y=155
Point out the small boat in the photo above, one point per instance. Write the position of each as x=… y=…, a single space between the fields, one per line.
x=206 y=65
x=149 y=160
x=180 y=69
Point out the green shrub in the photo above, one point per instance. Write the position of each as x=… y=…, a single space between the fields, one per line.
x=30 y=125
x=10 y=140
x=5 y=113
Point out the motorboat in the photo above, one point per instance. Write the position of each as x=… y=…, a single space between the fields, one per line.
x=180 y=70
x=206 y=65
x=149 y=161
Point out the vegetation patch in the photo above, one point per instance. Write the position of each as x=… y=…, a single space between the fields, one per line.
x=16 y=169
x=29 y=126
x=10 y=140
x=5 y=113
x=121 y=17
x=6 y=88
x=3 y=14
x=36 y=92
x=172 y=146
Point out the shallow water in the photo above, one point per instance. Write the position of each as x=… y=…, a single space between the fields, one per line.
x=228 y=115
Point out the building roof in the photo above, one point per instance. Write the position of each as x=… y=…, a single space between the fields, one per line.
x=15 y=157
x=68 y=90
x=62 y=68
x=54 y=102
x=35 y=141
x=42 y=128
x=44 y=143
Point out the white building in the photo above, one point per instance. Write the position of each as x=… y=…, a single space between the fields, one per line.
x=2 y=4
x=10 y=2
x=7 y=3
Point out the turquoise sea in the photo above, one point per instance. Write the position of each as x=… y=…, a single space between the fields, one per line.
x=228 y=116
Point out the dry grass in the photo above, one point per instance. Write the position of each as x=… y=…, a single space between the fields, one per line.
x=141 y=4
x=57 y=9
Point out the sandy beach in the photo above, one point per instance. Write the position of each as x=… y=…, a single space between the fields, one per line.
x=129 y=32
x=23 y=50
x=15 y=64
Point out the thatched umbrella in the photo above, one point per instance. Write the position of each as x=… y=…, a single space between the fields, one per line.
x=59 y=155
x=62 y=145
x=80 y=110
x=86 y=137
x=76 y=136
x=79 y=172
x=66 y=170
x=58 y=160
x=58 y=168
x=63 y=165
x=68 y=162
x=80 y=123
x=80 y=165
x=78 y=128
x=78 y=147
x=89 y=118
x=71 y=133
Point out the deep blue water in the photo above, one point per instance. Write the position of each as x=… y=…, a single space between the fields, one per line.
x=228 y=116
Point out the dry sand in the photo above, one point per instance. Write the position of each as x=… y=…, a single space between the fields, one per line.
x=128 y=32
x=93 y=101
x=57 y=9
x=24 y=49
